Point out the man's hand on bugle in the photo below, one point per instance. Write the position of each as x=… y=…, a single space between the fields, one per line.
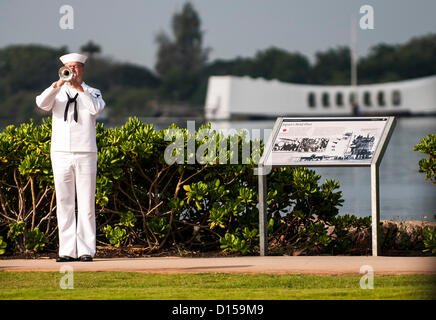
x=59 y=83
x=75 y=84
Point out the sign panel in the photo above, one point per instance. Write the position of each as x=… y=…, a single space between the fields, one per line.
x=325 y=141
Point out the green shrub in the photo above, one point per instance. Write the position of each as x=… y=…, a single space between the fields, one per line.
x=430 y=240
x=34 y=240
x=116 y=235
x=26 y=186
x=16 y=234
x=3 y=245
x=127 y=219
x=427 y=145
x=233 y=243
x=348 y=232
x=240 y=242
x=16 y=229
x=143 y=200
x=37 y=240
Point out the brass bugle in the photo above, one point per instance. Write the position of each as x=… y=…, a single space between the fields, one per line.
x=66 y=74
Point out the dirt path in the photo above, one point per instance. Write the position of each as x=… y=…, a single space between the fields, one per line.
x=319 y=265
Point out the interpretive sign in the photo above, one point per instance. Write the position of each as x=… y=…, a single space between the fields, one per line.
x=321 y=142
x=325 y=141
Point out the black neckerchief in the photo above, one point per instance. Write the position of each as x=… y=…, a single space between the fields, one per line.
x=70 y=100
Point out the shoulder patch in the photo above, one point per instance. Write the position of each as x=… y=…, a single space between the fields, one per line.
x=95 y=92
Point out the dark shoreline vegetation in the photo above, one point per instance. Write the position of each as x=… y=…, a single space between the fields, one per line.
x=178 y=85
x=145 y=206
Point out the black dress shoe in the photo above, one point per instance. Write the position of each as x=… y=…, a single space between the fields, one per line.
x=85 y=257
x=65 y=259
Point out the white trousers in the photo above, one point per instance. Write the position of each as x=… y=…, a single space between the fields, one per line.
x=75 y=174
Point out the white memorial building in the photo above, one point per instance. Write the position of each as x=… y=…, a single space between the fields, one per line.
x=229 y=97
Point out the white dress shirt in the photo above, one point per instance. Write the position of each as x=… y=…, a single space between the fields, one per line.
x=69 y=135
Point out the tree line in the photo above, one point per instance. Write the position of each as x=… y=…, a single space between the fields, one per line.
x=182 y=70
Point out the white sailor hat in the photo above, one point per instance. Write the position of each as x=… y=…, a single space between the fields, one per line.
x=73 y=57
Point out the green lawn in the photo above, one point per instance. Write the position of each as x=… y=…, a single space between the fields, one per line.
x=219 y=286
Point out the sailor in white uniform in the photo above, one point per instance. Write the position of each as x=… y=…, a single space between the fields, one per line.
x=74 y=106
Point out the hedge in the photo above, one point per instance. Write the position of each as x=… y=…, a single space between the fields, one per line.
x=144 y=200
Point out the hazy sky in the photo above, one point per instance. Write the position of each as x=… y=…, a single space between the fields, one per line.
x=126 y=30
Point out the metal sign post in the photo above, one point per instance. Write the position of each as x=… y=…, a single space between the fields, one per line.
x=293 y=143
x=375 y=209
x=263 y=230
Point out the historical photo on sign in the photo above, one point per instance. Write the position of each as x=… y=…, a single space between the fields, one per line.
x=301 y=145
x=326 y=141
